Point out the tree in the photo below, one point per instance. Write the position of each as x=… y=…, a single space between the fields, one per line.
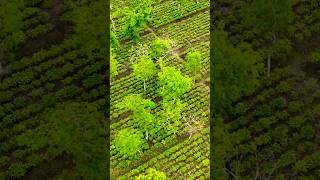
x=152 y=174
x=144 y=69
x=171 y=115
x=271 y=19
x=11 y=23
x=75 y=129
x=172 y=83
x=135 y=103
x=159 y=47
x=90 y=34
x=222 y=147
x=113 y=65
x=194 y=63
x=129 y=142
x=141 y=113
x=234 y=72
x=135 y=18
x=114 y=40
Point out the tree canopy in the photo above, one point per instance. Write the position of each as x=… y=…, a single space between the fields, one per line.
x=152 y=174
x=129 y=142
x=144 y=69
x=234 y=72
x=73 y=128
x=135 y=18
x=194 y=59
x=172 y=83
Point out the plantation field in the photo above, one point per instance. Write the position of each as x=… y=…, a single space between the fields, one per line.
x=50 y=60
x=183 y=153
x=270 y=127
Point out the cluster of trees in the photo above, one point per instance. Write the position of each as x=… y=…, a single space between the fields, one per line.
x=235 y=72
x=250 y=40
x=35 y=128
x=172 y=85
x=71 y=129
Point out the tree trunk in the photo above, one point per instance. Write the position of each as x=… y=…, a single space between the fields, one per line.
x=269 y=64
x=144 y=85
x=194 y=78
x=147 y=135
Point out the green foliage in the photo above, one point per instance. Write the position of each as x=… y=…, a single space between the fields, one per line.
x=113 y=64
x=223 y=146
x=144 y=69
x=17 y=170
x=269 y=17
x=140 y=107
x=129 y=142
x=172 y=83
x=279 y=103
x=135 y=103
x=314 y=57
x=11 y=23
x=152 y=174
x=75 y=129
x=89 y=32
x=282 y=48
x=159 y=47
x=234 y=73
x=135 y=18
x=114 y=40
x=295 y=106
x=171 y=115
x=194 y=59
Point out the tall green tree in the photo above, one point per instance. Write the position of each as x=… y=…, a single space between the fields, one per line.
x=114 y=40
x=144 y=70
x=75 y=129
x=271 y=19
x=159 y=47
x=135 y=18
x=140 y=107
x=234 y=73
x=170 y=117
x=129 y=142
x=11 y=24
x=172 y=83
x=194 y=59
x=222 y=144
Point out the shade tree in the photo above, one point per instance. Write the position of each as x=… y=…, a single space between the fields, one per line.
x=114 y=42
x=129 y=142
x=234 y=72
x=173 y=84
x=159 y=47
x=135 y=18
x=170 y=118
x=143 y=119
x=271 y=20
x=194 y=59
x=144 y=70
x=72 y=129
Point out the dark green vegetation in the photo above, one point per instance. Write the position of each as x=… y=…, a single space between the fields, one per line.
x=159 y=89
x=52 y=91
x=266 y=123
